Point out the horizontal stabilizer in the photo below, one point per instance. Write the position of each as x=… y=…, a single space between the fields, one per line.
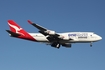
x=12 y=33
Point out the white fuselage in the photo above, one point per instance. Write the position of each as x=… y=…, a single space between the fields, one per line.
x=51 y=37
x=70 y=37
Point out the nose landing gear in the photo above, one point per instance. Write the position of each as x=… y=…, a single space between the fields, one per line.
x=90 y=44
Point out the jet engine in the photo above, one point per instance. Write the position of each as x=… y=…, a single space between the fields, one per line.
x=61 y=37
x=50 y=32
x=64 y=37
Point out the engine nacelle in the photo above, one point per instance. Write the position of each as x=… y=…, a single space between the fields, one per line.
x=67 y=45
x=50 y=32
x=61 y=37
x=64 y=37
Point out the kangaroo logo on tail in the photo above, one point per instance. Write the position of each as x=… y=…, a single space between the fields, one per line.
x=16 y=29
x=21 y=33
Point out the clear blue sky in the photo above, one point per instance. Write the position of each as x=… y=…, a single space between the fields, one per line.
x=58 y=15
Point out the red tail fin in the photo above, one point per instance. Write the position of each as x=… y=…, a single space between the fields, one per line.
x=13 y=26
x=17 y=29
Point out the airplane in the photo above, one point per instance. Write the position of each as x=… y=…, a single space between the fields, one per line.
x=51 y=37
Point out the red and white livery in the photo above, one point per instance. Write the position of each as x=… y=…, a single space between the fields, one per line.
x=51 y=37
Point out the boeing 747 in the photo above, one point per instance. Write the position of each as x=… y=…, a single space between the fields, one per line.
x=51 y=37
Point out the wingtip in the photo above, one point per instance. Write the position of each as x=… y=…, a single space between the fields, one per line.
x=29 y=21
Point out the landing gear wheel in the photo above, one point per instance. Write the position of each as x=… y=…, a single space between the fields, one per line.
x=90 y=45
x=58 y=46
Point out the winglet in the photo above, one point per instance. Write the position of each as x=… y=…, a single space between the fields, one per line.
x=29 y=21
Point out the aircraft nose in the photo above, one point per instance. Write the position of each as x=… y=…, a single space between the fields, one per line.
x=99 y=37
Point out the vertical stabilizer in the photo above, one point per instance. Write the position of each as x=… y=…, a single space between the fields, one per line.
x=16 y=29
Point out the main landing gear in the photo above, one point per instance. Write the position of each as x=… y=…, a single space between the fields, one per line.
x=56 y=45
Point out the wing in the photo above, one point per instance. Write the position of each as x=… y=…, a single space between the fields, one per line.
x=52 y=36
x=37 y=26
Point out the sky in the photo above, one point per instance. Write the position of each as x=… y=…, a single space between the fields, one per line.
x=60 y=16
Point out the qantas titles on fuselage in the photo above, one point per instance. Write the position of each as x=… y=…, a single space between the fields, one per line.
x=50 y=37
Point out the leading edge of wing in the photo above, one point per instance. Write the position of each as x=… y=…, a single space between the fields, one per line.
x=37 y=26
